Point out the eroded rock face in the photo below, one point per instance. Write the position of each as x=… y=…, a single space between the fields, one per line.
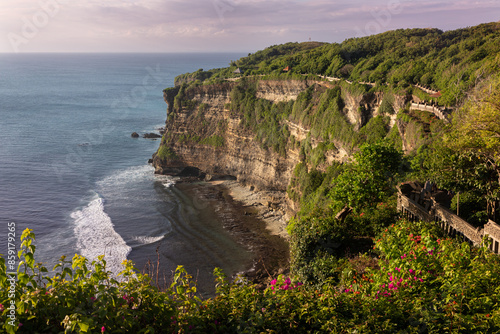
x=233 y=149
x=240 y=155
x=281 y=90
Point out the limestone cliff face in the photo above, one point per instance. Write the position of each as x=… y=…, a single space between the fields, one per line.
x=205 y=138
x=236 y=153
x=359 y=109
x=281 y=90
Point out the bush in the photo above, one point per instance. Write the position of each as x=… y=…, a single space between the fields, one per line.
x=166 y=153
x=423 y=282
x=316 y=243
x=471 y=208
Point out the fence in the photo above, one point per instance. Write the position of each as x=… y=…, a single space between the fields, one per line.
x=453 y=225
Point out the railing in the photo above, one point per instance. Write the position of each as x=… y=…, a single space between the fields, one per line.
x=452 y=224
x=439 y=112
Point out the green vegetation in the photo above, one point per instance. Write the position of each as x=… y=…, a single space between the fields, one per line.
x=421 y=282
x=369 y=179
x=195 y=77
x=216 y=141
x=264 y=118
x=466 y=158
x=165 y=153
x=356 y=266
x=365 y=187
x=451 y=61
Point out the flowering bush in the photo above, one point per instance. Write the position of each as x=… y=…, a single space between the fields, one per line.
x=432 y=283
x=424 y=283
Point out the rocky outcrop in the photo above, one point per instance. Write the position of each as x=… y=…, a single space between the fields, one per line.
x=281 y=90
x=239 y=155
x=360 y=108
x=205 y=138
x=151 y=135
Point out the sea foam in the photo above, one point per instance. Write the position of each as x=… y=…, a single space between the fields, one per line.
x=96 y=236
x=144 y=240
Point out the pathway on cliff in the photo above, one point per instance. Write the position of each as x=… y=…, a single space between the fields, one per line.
x=440 y=111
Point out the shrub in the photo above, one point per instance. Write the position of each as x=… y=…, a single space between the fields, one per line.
x=166 y=153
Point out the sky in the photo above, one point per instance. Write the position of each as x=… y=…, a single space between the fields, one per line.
x=218 y=25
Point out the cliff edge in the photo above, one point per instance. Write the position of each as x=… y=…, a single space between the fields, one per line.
x=256 y=131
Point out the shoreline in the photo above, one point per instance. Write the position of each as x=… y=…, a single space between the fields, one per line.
x=252 y=218
x=265 y=203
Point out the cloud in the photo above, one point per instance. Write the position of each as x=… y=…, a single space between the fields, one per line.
x=228 y=24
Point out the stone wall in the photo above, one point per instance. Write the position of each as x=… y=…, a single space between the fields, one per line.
x=427 y=90
x=439 y=112
x=492 y=229
x=430 y=210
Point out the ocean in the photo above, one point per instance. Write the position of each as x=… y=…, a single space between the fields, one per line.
x=70 y=170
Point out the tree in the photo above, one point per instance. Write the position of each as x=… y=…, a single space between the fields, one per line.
x=477 y=124
x=369 y=179
x=475 y=137
x=464 y=172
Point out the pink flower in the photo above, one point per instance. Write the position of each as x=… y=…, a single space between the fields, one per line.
x=103 y=329
x=412 y=271
x=274 y=281
x=1 y=307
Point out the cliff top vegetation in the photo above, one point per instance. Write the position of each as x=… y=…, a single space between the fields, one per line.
x=451 y=62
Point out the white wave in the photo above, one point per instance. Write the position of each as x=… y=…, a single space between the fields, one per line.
x=148 y=240
x=125 y=179
x=96 y=236
x=127 y=176
x=168 y=182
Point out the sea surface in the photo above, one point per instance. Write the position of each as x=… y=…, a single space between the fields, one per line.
x=70 y=170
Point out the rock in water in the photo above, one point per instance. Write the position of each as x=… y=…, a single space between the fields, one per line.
x=134 y=135
x=151 y=135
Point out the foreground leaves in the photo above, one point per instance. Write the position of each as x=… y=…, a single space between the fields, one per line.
x=424 y=284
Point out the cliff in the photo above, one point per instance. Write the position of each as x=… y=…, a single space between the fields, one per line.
x=207 y=138
x=256 y=131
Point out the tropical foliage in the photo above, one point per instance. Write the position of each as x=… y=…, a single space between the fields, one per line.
x=421 y=283
x=364 y=272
